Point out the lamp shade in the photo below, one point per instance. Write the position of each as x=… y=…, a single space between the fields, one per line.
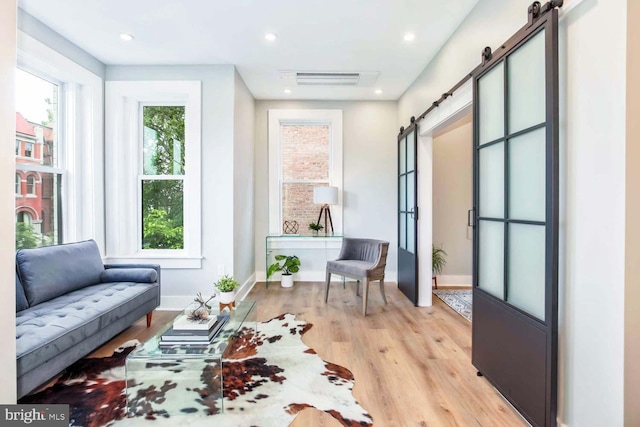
x=325 y=195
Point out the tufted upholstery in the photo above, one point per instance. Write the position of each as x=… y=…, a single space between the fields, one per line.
x=53 y=326
x=63 y=311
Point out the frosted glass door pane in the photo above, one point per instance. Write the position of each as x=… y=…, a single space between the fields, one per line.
x=403 y=155
x=491 y=103
x=526 y=76
x=410 y=192
x=411 y=234
x=492 y=181
x=527 y=176
x=491 y=258
x=403 y=194
x=525 y=288
x=403 y=231
x=410 y=152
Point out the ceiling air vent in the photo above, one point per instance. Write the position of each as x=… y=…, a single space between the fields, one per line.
x=333 y=79
x=326 y=78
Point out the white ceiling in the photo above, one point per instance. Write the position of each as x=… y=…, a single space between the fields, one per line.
x=313 y=35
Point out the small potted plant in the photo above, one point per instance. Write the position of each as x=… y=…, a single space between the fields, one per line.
x=226 y=286
x=315 y=228
x=290 y=265
x=438 y=262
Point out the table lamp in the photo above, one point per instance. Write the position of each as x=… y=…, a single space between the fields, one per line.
x=325 y=196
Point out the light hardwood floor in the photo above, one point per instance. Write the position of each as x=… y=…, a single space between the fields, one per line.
x=412 y=365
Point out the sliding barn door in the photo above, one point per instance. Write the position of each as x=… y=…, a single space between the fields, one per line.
x=515 y=274
x=408 y=213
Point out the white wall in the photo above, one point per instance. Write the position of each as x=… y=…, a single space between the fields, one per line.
x=592 y=104
x=243 y=181
x=369 y=171
x=179 y=285
x=592 y=187
x=452 y=197
x=7 y=201
x=55 y=41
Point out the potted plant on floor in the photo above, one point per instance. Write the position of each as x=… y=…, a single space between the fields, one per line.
x=290 y=265
x=226 y=286
x=438 y=261
x=315 y=228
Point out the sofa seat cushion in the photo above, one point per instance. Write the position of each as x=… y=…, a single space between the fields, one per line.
x=48 y=329
x=51 y=271
x=142 y=275
x=350 y=268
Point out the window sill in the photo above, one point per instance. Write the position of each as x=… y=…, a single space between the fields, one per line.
x=165 y=262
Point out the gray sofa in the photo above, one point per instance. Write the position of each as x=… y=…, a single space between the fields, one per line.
x=68 y=303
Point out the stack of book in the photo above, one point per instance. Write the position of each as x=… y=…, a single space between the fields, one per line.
x=188 y=332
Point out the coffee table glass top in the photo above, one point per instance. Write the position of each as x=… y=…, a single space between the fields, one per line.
x=242 y=315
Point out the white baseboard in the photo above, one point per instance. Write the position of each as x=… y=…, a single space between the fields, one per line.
x=174 y=302
x=318 y=276
x=246 y=287
x=453 y=280
x=179 y=302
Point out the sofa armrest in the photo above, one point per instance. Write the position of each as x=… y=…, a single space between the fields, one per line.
x=156 y=267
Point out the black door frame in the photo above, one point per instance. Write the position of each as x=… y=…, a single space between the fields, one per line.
x=408 y=279
x=524 y=323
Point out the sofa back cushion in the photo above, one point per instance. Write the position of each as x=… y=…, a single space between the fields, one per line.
x=51 y=271
x=21 y=299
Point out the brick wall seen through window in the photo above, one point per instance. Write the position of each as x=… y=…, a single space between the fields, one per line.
x=305 y=153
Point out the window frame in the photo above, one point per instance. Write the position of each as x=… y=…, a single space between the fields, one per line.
x=280 y=117
x=80 y=139
x=34 y=191
x=124 y=170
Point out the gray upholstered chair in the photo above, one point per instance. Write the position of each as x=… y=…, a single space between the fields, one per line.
x=363 y=260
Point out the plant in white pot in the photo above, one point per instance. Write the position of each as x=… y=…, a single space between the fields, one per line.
x=226 y=287
x=290 y=265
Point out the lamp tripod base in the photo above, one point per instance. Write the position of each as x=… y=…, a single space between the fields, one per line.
x=327 y=214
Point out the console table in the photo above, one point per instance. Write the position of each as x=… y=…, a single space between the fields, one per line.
x=327 y=245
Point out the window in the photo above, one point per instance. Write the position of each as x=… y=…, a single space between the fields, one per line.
x=153 y=172
x=18 y=184
x=162 y=179
x=24 y=218
x=31 y=185
x=28 y=149
x=37 y=120
x=305 y=151
x=62 y=198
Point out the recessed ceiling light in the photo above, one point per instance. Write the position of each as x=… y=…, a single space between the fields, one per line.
x=378 y=91
x=409 y=37
x=287 y=91
x=270 y=36
x=126 y=37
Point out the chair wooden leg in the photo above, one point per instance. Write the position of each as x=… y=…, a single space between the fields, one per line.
x=326 y=290
x=365 y=297
x=149 y=315
x=384 y=297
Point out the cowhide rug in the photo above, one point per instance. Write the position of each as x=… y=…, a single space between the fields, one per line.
x=268 y=379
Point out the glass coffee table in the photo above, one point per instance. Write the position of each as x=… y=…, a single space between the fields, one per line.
x=182 y=379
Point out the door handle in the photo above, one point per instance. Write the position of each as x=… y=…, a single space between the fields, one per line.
x=470 y=222
x=414 y=212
